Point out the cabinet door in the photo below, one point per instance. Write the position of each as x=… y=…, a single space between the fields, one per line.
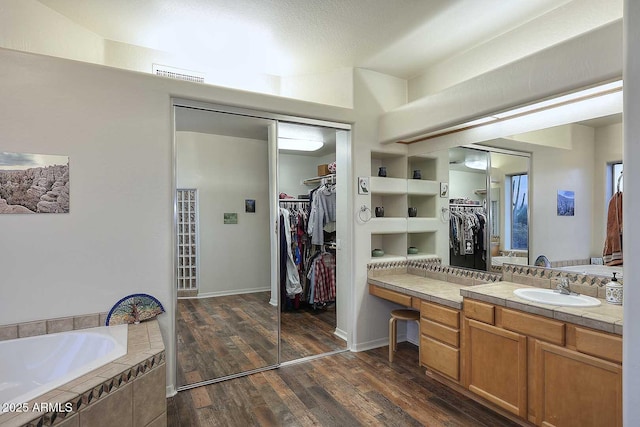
x=496 y=365
x=575 y=389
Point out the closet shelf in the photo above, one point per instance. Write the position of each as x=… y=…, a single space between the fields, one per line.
x=317 y=179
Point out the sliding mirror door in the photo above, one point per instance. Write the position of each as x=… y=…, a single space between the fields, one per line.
x=227 y=312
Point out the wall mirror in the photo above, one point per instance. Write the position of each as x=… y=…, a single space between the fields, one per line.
x=562 y=169
x=256 y=285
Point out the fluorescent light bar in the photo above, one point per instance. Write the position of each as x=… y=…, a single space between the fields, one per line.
x=299 y=144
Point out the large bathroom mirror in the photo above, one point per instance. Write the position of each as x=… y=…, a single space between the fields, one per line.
x=575 y=171
x=563 y=176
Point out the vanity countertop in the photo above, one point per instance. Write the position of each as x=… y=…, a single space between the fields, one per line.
x=606 y=317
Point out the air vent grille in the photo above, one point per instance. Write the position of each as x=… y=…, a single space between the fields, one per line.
x=177 y=73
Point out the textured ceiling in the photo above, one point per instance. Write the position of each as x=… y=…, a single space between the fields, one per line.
x=293 y=37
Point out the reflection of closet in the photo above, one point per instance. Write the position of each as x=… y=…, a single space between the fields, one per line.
x=307 y=246
x=467 y=234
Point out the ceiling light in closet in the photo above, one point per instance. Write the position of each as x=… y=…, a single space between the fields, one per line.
x=299 y=144
x=475 y=163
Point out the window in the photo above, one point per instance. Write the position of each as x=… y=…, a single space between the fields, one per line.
x=616 y=171
x=518 y=218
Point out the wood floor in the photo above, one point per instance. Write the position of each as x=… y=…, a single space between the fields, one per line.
x=226 y=335
x=348 y=389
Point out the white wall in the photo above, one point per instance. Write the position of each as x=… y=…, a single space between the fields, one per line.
x=115 y=126
x=294 y=169
x=553 y=169
x=462 y=184
x=234 y=258
x=608 y=149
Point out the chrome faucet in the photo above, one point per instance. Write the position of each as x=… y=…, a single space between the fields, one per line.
x=563 y=287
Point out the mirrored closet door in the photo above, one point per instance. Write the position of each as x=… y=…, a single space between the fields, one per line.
x=226 y=212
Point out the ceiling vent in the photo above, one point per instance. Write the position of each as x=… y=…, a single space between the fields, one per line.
x=178 y=73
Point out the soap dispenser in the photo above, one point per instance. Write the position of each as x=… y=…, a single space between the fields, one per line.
x=613 y=291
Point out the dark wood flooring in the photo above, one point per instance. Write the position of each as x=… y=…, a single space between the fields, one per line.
x=347 y=389
x=221 y=336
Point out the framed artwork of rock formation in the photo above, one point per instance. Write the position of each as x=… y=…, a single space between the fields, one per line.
x=33 y=183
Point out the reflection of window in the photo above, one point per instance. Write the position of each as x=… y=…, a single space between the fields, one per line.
x=616 y=170
x=518 y=219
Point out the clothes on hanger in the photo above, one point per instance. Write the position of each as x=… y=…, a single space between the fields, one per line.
x=612 y=252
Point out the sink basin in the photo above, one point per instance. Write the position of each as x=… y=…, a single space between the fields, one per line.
x=553 y=297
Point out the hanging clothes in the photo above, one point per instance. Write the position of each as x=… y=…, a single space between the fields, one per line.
x=323 y=212
x=292 y=279
x=612 y=253
x=322 y=277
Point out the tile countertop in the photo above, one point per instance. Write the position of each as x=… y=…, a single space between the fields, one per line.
x=606 y=317
x=438 y=291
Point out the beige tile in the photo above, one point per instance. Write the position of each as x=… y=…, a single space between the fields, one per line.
x=416 y=271
x=62 y=324
x=116 y=409
x=467 y=281
x=111 y=370
x=88 y=321
x=617 y=328
x=31 y=329
x=149 y=396
x=103 y=318
x=538 y=309
x=507 y=276
x=523 y=279
x=8 y=332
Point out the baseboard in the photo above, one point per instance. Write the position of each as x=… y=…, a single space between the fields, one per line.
x=171 y=391
x=340 y=334
x=381 y=342
x=273 y=302
x=230 y=292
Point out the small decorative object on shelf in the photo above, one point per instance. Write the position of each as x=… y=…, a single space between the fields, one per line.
x=413 y=212
x=412 y=250
x=379 y=211
x=377 y=253
x=613 y=291
x=134 y=308
x=382 y=171
x=417 y=174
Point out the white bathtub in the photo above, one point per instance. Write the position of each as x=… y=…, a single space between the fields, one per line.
x=595 y=270
x=499 y=260
x=32 y=366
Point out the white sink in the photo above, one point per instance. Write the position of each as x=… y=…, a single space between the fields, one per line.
x=553 y=297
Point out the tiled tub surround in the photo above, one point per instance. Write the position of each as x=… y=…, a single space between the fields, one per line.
x=427 y=281
x=51 y=326
x=129 y=391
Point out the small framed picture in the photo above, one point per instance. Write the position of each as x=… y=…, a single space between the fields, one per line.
x=444 y=189
x=363 y=185
x=230 y=218
x=250 y=206
x=566 y=203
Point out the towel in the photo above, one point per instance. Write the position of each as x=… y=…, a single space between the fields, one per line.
x=612 y=253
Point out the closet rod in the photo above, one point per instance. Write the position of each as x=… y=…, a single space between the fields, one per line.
x=293 y=200
x=466 y=205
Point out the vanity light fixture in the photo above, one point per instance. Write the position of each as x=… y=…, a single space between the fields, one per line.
x=299 y=144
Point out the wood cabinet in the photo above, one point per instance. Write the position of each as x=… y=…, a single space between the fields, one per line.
x=496 y=365
x=548 y=372
x=440 y=339
x=575 y=389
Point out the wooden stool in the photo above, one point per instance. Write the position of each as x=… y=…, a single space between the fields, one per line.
x=401 y=314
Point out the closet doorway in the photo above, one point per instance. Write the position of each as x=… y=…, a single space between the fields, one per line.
x=240 y=247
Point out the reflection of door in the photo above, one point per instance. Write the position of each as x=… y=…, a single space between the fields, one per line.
x=230 y=326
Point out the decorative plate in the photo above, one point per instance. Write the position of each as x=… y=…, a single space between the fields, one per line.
x=134 y=308
x=542 y=261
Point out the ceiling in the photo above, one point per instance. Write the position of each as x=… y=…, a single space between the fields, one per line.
x=294 y=37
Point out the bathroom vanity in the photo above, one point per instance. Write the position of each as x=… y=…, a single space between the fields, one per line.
x=537 y=363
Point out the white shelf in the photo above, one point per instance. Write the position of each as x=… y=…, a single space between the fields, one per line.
x=318 y=179
x=382 y=185
x=421 y=255
x=423 y=187
x=388 y=225
x=422 y=225
x=388 y=257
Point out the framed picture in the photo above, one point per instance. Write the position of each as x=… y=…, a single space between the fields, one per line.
x=250 y=205
x=444 y=189
x=363 y=185
x=230 y=217
x=566 y=203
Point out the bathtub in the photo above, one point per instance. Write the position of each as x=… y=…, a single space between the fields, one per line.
x=34 y=365
x=595 y=270
x=499 y=260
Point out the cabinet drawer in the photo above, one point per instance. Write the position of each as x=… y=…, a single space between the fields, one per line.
x=437 y=313
x=440 y=357
x=387 y=294
x=480 y=311
x=534 y=326
x=440 y=332
x=598 y=344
